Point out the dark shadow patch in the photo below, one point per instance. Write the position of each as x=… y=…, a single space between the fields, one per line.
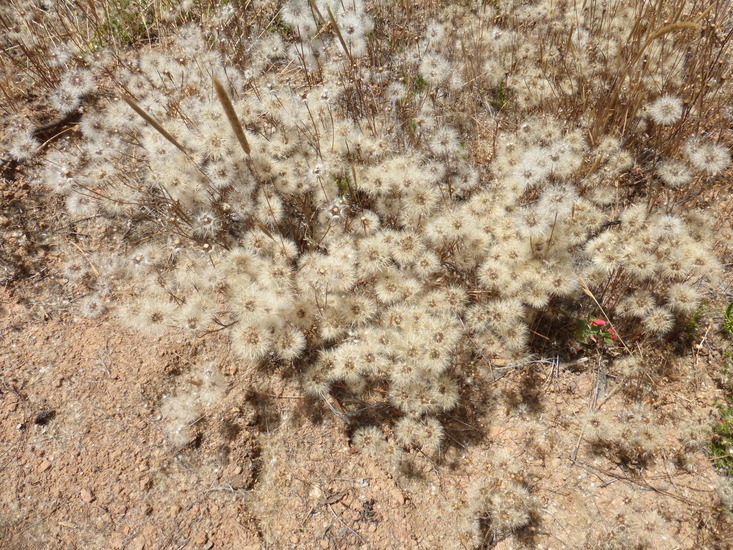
x=229 y=430
x=528 y=393
x=312 y=409
x=196 y=442
x=254 y=457
x=267 y=416
x=367 y=512
x=408 y=468
x=52 y=131
x=8 y=169
x=44 y=417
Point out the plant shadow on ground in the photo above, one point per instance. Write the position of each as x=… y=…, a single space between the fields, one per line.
x=721 y=437
x=24 y=249
x=526 y=535
x=267 y=415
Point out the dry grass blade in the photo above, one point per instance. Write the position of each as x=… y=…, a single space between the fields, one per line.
x=226 y=103
x=668 y=29
x=338 y=32
x=93 y=10
x=154 y=123
x=315 y=9
x=265 y=230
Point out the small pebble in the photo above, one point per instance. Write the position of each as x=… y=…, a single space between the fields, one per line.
x=398 y=496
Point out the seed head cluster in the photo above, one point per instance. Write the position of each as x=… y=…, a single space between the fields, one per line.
x=318 y=205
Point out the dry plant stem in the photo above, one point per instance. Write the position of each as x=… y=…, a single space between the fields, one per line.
x=154 y=123
x=338 y=34
x=93 y=9
x=157 y=126
x=643 y=483
x=341 y=521
x=316 y=11
x=231 y=115
x=236 y=125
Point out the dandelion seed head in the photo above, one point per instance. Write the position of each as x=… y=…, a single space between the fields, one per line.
x=707 y=157
x=666 y=110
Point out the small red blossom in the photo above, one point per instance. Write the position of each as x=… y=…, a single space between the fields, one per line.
x=596 y=331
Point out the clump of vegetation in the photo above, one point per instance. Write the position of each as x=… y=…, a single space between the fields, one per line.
x=721 y=443
x=633 y=439
x=721 y=440
x=321 y=190
x=501 y=502
x=727 y=326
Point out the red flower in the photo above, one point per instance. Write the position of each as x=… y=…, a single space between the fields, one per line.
x=597 y=323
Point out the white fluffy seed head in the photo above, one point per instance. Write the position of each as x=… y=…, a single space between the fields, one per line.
x=707 y=157
x=674 y=173
x=369 y=440
x=423 y=434
x=251 y=341
x=64 y=100
x=666 y=110
x=206 y=225
x=683 y=298
x=23 y=145
x=658 y=321
x=297 y=14
x=435 y=68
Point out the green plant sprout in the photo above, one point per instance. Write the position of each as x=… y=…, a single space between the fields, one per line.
x=721 y=441
x=499 y=100
x=727 y=328
x=594 y=332
x=693 y=325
